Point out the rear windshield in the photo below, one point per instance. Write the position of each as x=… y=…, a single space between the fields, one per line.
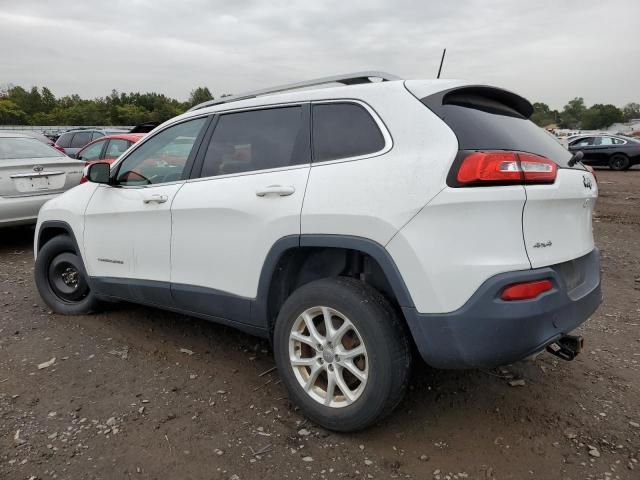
x=17 y=147
x=485 y=130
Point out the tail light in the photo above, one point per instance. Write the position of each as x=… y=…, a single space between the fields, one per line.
x=504 y=168
x=526 y=290
x=83 y=178
x=592 y=172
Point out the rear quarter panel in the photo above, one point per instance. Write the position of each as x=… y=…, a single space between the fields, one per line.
x=373 y=197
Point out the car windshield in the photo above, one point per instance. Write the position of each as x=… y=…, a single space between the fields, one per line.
x=20 y=147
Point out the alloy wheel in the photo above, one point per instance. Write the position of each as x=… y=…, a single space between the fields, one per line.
x=328 y=357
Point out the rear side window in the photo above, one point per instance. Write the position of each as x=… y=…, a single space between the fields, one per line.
x=484 y=123
x=96 y=135
x=342 y=130
x=80 y=139
x=257 y=140
x=64 y=140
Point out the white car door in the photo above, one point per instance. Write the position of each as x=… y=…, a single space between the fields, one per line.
x=128 y=224
x=249 y=195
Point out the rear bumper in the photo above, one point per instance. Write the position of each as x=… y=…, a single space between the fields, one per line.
x=22 y=210
x=487 y=331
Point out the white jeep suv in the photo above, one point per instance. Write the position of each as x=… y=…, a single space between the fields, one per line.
x=350 y=224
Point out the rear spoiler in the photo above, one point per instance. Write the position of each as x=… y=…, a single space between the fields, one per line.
x=489 y=99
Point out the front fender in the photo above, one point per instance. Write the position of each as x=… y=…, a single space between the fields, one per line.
x=66 y=211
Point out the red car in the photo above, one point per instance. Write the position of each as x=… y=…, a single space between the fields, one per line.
x=107 y=148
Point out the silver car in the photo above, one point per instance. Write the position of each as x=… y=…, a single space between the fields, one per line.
x=30 y=174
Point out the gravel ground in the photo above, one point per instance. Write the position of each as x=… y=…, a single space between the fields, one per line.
x=135 y=392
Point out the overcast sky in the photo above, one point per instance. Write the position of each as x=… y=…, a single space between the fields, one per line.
x=546 y=50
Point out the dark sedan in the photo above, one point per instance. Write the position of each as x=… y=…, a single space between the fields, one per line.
x=617 y=152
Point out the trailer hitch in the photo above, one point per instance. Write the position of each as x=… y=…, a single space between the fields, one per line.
x=566 y=347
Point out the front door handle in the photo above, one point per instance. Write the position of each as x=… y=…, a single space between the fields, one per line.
x=156 y=198
x=282 y=190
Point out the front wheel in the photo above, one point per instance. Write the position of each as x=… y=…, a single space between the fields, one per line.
x=342 y=353
x=61 y=278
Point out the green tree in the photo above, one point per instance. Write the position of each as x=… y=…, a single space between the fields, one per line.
x=600 y=116
x=631 y=111
x=48 y=100
x=199 y=95
x=130 y=114
x=572 y=113
x=543 y=115
x=10 y=113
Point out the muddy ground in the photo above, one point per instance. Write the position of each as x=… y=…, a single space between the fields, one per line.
x=124 y=400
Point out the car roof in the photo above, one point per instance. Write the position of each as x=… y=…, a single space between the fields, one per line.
x=90 y=129
x=358 y=91
x=132 y=137
x=590 y=135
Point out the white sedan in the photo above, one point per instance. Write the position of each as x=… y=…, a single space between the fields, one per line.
x=30 y=174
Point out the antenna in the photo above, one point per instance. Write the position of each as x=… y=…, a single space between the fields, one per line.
x=441 y=62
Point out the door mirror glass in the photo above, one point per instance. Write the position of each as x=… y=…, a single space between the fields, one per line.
x=99 y=172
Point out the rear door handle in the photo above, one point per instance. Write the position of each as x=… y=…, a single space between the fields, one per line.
x=282 y=190
x=156 y=198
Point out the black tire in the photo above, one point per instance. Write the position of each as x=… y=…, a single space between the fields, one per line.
x=61 y=278
x=384 y=337
x=619 y=162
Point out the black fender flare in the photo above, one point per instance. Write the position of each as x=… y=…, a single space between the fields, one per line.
x=259 y=308
x=60 y=225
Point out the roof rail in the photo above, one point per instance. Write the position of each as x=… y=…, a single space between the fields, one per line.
x=345 y=79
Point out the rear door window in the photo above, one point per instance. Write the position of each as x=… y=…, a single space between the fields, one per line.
x=80 y=139
x=257 y=140
x=96 y=135
x=64 y=140
x=343 y=130
x=117 y=147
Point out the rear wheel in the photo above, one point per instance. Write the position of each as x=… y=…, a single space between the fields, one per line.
x=619 y=162
x=61 y=278
x=342 y=353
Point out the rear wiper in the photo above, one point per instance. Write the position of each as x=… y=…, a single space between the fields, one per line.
x=577 y=157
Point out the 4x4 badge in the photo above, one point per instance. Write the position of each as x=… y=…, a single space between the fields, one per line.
x=586 y=181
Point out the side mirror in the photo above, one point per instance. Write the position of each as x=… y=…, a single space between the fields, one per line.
x=99 y=172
